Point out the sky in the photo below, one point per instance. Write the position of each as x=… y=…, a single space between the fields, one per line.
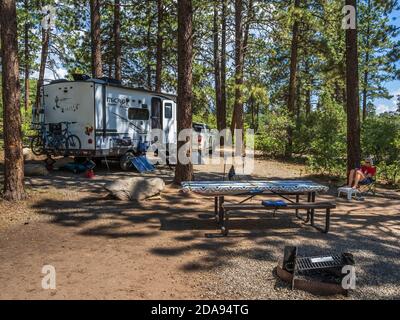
x=384 y=105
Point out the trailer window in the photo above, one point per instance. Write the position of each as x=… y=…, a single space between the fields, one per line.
x=138 y=114
x=156 y=113
x=168 y=111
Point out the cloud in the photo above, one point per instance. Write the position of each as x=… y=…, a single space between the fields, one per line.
x=381 y=108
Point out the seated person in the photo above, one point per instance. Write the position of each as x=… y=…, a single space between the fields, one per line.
x=363 y=175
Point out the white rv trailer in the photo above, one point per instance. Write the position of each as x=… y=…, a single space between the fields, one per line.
x=110 y=119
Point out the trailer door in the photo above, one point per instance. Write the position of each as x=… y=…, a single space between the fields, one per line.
x=156 y=113
x=169 y=121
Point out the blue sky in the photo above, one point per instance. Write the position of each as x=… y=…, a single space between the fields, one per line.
x=383 y=105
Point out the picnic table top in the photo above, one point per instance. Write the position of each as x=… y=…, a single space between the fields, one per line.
x=215 y=188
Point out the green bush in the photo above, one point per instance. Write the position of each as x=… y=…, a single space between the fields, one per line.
x=272 y=136
x=389 y=172
x=381 y=138
x=328 y=142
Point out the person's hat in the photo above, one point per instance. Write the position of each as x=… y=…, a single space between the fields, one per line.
x=370 y=160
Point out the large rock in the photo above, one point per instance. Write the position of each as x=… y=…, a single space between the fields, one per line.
x=28 y=155
x=137 y=188
x=31 y=169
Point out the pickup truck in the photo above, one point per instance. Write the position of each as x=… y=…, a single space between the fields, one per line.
x=202 y=139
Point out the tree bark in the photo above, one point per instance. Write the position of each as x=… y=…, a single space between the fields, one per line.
x=223 y=67
x=237 y=117
x=365 y=91
x=184 y=172
x=13 y=156
x=292 y=80
x=160 y=42
x=26 y=54
x=352 y=100
x=148 y=42
x=117 y=40
x=217 y=68
x=43 y=62
x=97 y=68
x=366 y=66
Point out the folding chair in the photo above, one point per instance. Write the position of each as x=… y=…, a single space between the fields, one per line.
x=369 y=188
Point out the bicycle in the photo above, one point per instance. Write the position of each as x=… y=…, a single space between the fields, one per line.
x=55 y=139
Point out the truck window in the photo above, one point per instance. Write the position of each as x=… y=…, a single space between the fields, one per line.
x=168 y=111
x=198 y=127
x=138 y=114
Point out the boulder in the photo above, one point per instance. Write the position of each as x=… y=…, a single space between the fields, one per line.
x=135 y=189
x=31 y=169
x=28 y=155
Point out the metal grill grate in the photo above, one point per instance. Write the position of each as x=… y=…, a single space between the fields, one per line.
x=315 y=263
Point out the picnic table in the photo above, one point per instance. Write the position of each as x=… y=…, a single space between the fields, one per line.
x=252 y=188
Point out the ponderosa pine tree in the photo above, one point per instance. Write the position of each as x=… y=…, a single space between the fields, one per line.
x=97 y=67
x=184 y=172
x=117 y=39
x=13 y=156
x=237 y=117
x=293 y=77
x=352 y=95
x=160 y=42
x=217 y=67
x=44 y=54
x=222 y=113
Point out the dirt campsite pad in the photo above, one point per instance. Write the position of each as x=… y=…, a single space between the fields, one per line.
x=102 y=248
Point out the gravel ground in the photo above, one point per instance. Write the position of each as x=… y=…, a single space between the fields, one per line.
x=73 y=213
x=369 y=229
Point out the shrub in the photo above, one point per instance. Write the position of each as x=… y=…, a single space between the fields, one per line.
x=272 y=136
x=328 y=143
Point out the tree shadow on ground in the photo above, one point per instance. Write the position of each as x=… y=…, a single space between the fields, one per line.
x=369 y=230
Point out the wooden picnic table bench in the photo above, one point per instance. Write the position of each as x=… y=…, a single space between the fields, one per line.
x=310 y=207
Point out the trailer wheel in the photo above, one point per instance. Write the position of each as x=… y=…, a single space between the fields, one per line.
x=125 y=161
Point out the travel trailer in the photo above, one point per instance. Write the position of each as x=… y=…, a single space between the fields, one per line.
x=110 y=120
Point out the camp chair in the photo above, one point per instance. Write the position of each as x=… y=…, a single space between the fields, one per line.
x=369 y=188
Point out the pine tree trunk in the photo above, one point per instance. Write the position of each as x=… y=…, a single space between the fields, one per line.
x=217 y=68
x=184 y=172
x=309 y=82
x=117 y=40
x=250 y=17
x=223 y=66
x=13 y=156
x=292 y=80
x=97 y=68
x=298 y=102
x=148 y=43
x=26 y=71
x=160 y=42
x=352 y=101
x=43 y=62
x=365 y=92
x=237 y=118
x=366 y=65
